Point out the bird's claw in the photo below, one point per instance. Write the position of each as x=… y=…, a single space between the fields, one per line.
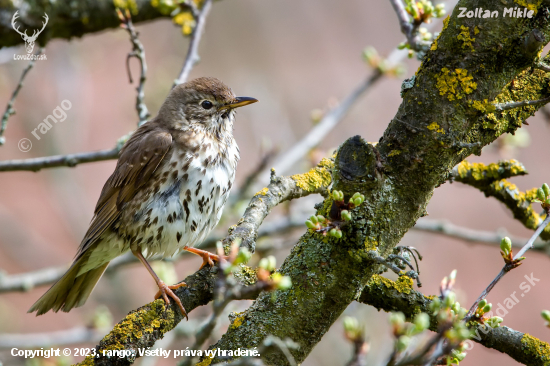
x=166 y=290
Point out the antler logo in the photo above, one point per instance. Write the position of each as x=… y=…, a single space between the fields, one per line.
x=29 y=41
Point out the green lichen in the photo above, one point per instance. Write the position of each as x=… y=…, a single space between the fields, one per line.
x=535 y=348
x=394 y=153
x=455 y=84
x=318 y=177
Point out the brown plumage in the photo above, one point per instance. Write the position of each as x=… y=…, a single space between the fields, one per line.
x=167 y=192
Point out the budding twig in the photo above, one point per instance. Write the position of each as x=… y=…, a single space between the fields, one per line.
x=507 y=267
x=9 y=108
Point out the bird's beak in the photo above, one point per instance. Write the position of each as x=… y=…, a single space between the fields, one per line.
x=239 y=102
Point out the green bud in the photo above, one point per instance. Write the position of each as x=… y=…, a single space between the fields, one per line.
x=435 y=305
x=243 y=256
x=546 y=189
x=456 y=307
x=346 y=216
x=541 y=195
x=310 y=224
x=506 y=245
x=422 y=321
x=449 y=300
x=284 y=283
x=545 y=315
x=547 y=201
x=351 y=325
x=272 y=263
x=461 y=313
x=336 y=195
x=314 y=219
x=332 y=232
x=487 y=308
x=397 y=319
x=402 y=343
x=482 y=303
x=402 y=45
x=321 y=219
x=338 y=234
x=452 y=276
x=459 y=357
x=263 y=263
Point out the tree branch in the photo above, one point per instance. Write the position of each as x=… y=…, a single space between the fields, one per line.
x=390 y=296
x=67 y=18
x=490 y=180
x=193 y=52
x=70 y=160
x=9 y=108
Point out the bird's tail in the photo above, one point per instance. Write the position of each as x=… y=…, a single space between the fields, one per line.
x=71 y=290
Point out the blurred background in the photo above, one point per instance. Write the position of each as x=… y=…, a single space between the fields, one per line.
x=299 y=58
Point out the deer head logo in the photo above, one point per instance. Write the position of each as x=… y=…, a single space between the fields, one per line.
x=29 y=41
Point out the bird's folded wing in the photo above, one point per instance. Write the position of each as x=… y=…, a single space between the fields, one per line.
x=139 y=158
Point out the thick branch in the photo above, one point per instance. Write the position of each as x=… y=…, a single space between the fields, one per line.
x=67 y=18
x=391 y=296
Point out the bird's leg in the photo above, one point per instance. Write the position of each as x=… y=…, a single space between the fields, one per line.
x=207 y=257
x=164 y=289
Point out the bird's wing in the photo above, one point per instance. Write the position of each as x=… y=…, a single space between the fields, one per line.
x=139 y=159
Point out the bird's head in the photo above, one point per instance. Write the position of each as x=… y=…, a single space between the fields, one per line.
x=204 y=103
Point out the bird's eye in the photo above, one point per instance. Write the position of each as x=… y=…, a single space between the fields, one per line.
x=206 y=104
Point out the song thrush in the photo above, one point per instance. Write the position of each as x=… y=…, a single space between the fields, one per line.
x=167 y=192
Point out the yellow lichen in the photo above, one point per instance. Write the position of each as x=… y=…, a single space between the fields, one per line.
x=465 y=37
x=529 y=4
x=394 y=153
x=207 y=361
x=371 y=245
x=263 y=192
x=484 y=106
x=435 y=127
x=318 y=177
x=237 y=322
x=403 y=284
x=455 y=84
x=187 y=22
x=535 y=348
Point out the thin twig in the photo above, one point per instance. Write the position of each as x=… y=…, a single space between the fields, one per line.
x=70 y=160
x=138 y=52
x=193 y=52
x=507 y=266
x=9 y=108
x=506 y=106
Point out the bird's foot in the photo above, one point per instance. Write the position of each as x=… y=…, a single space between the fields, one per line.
x=165 y=291
x=207 y=257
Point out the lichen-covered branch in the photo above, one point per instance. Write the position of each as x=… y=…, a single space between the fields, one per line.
x=281 y=189
x=68 y=18
x=390 y=296
x=491 y=181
